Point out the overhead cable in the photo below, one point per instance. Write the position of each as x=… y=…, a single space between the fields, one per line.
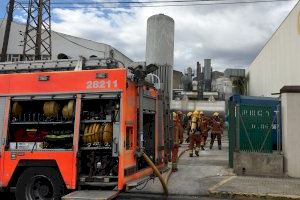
x=146 y=4
x=150 y=2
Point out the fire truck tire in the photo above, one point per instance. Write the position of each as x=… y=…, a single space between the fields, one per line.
x=39 y=183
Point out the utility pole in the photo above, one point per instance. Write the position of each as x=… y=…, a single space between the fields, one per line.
x=7 y=30
x=37 y=37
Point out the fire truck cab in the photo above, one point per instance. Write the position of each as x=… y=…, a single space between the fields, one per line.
x=63 y=129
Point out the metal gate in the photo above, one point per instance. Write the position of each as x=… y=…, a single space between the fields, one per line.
x=250 y=128
x=254 y=128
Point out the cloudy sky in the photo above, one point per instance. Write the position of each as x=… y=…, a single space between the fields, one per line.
x=232 y=35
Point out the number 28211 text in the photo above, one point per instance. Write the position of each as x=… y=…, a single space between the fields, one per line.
x=103 y=84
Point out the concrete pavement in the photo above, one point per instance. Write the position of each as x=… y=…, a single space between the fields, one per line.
x=208 y=176
x=195 y=174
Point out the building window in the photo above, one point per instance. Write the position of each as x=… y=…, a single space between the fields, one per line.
x=8 y=57
x=44 y=57
x=15 y=58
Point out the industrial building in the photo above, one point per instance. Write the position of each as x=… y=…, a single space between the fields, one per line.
x=63 y=46
x=276 y=71
x=278 y=62
x=202 y=83
x=177 y=76
x=160 y=48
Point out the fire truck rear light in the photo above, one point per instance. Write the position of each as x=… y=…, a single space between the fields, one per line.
x=44 y=78
x=101 y=75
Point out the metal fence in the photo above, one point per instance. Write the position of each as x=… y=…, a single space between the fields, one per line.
x=250 y=128
x=254 y=128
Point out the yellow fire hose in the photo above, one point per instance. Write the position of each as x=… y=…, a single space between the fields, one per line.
x=157 y=173
x=164 y=182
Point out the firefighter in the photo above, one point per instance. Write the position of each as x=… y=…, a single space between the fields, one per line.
x=216 y=130
x=180 y=124
x=204 y=127
x=175 y=147
x=194 y=134
x=187 y=125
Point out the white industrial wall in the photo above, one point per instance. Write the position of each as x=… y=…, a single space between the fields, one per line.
x=62 y=43
x=290 y=103
x=278 y=63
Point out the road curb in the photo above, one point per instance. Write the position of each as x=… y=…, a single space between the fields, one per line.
x=252 y=196
x=214 y=192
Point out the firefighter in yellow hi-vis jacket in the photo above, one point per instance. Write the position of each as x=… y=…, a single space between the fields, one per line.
x=187 y=125
x=194 y=134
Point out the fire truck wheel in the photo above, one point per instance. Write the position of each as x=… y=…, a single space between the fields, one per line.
x=39 y=183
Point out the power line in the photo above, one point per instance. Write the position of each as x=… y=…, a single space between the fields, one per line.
x=139 y=2
x=10 y=16
x=131 y=2
x=92 y=5
x=62 y=36
x=3 y=19
x=4 y=16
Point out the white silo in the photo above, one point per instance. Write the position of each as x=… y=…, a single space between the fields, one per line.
x=160 y=47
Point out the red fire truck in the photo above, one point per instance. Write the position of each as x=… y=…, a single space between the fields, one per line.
x=66 y=127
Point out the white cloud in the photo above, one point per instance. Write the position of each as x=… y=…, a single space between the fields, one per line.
x=231 y=35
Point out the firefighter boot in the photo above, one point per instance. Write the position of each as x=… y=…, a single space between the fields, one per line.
x=197 y=151
x=202 y=146
x=220 y=147
x=191 y=153
x=174 y=167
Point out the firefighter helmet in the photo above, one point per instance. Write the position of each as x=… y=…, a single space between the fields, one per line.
x=196 y=113
x=179 y=113
x=216 y=114
x=189 y=114
x=174 y=115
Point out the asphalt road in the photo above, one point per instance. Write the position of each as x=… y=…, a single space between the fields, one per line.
x=127 y=196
